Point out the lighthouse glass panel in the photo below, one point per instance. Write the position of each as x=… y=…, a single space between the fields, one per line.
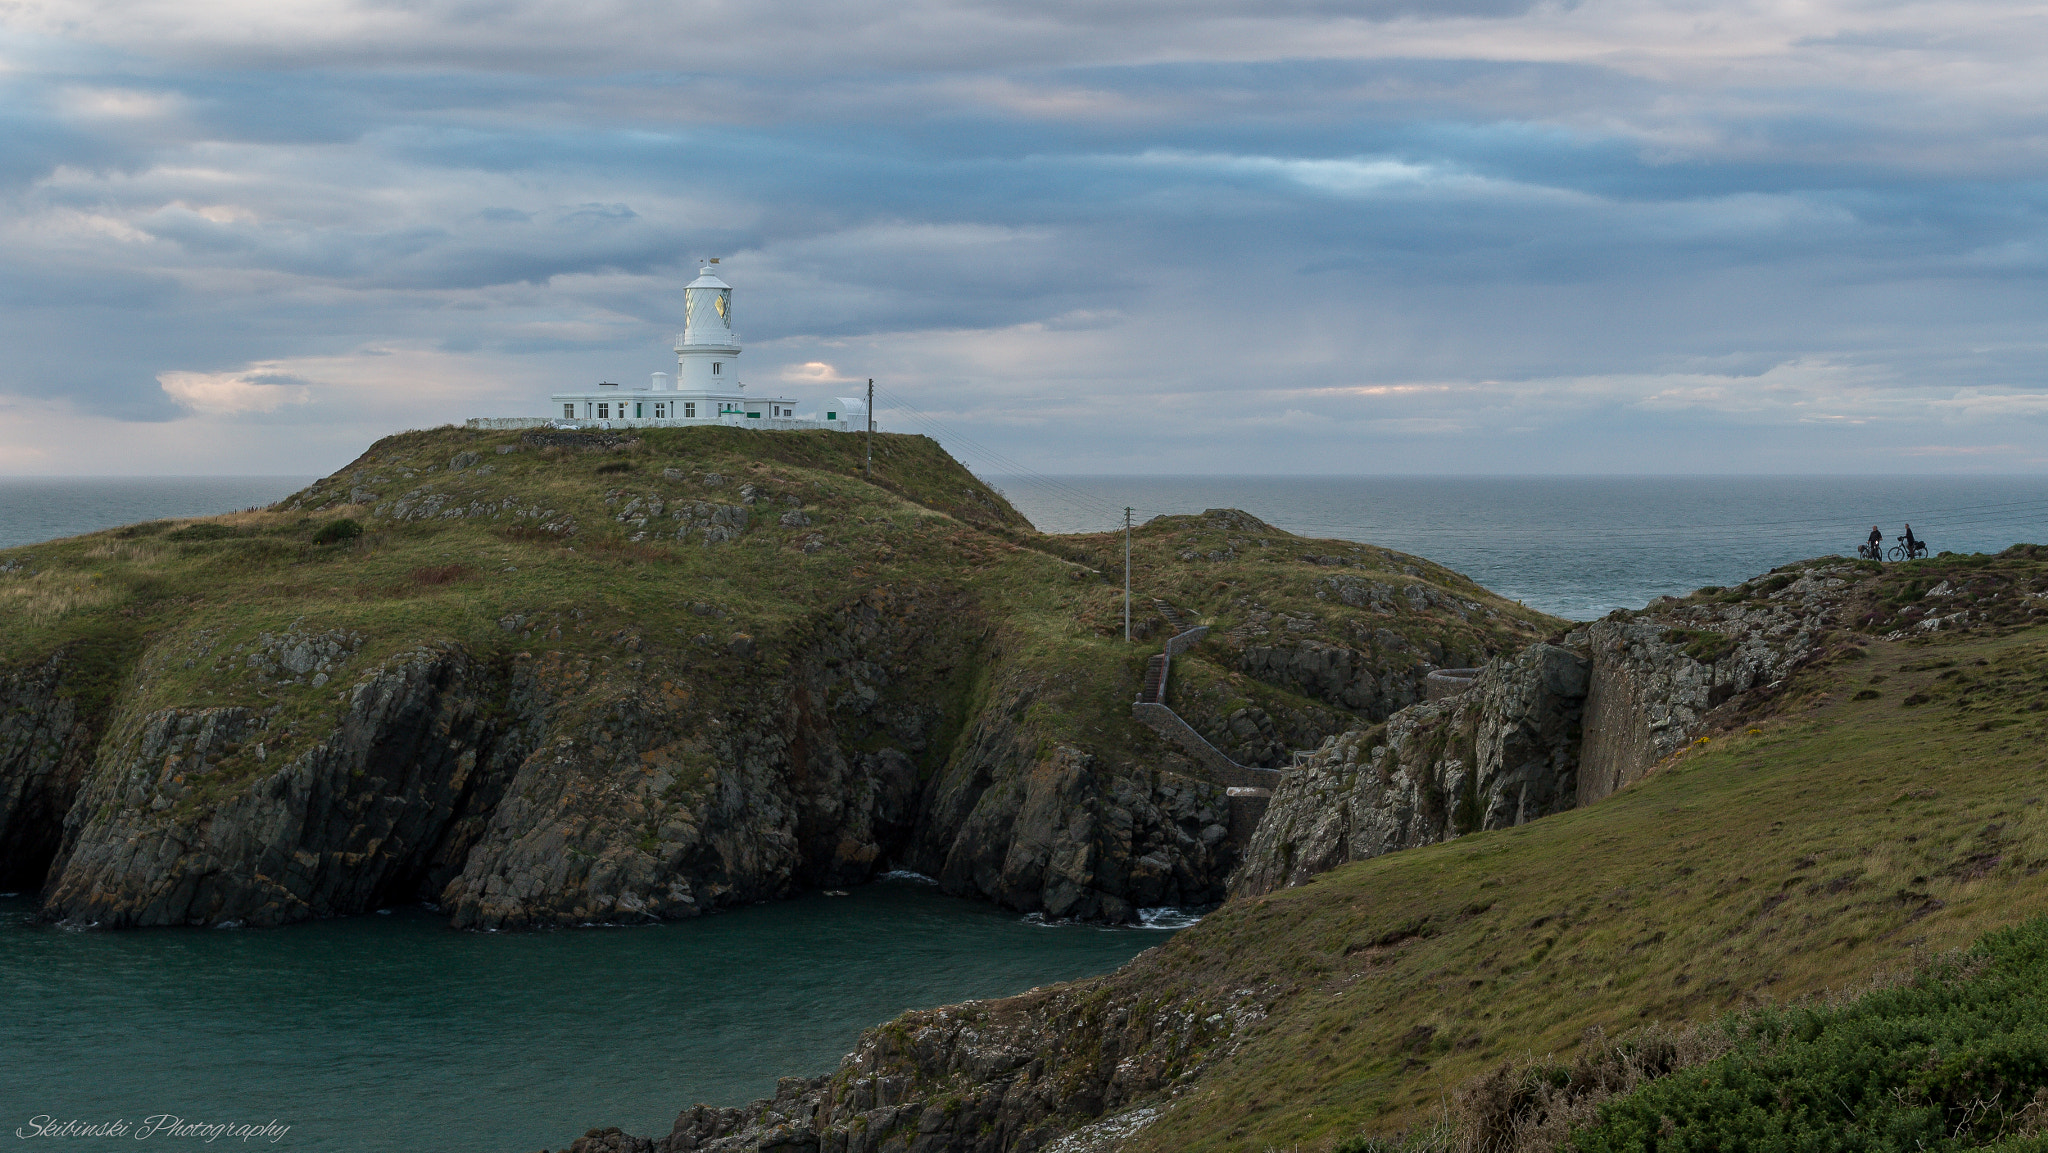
x=725 y=306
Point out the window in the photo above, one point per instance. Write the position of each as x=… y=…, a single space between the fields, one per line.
x=690 y=408
x=569 y=412
x=604 y=412
x=658 y=409
x=715 y=367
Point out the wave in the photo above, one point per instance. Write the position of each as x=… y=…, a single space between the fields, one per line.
x=1167 y=917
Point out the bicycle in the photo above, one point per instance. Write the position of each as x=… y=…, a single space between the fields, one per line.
x=1901 y=552
x=1870 y=552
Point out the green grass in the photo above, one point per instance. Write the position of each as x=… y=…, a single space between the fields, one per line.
x=167 y=614
x=1955 y=1059
x=1838 y=839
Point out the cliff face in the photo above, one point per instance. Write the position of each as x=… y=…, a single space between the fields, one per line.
x=1067 y=835
x=1556 y=727
x=538 y=791
x=1657 y=674
x=45 y=751
x=1503 y=752
x=354 y=821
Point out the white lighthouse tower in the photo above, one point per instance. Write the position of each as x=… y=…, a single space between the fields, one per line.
x=707 y=387
x=708 y=351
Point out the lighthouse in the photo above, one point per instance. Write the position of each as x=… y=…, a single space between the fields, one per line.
x=706 y=389
x=708 y=351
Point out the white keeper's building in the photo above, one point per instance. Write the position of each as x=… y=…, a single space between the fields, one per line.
x=706 y=388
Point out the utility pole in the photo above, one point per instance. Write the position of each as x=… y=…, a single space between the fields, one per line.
x=1127 y=574
x=871 y=428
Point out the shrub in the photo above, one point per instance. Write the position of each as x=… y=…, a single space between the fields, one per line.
x=1957 y=1058
x=338 y=531
x=205 y=530
x=1704 y=647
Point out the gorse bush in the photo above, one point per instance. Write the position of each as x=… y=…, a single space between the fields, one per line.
x=1955 y=1059
x=337 y=531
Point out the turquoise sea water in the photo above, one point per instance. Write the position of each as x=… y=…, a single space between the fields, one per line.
x=392 y=1031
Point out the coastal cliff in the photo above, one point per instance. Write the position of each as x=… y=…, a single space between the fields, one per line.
x=1558 y=726
x=1374 y=993
x=558 y=678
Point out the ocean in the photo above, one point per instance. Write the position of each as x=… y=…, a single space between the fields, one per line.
x=44 y=508
x=393 y=1031
x=1577 y=547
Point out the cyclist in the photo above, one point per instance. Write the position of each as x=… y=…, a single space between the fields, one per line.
x=1876 y=542
x=1912 y=546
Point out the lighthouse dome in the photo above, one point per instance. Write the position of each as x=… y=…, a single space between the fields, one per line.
x=707 y=311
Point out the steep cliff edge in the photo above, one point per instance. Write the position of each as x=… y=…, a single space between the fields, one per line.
x=556 y=678
x=1558 y=726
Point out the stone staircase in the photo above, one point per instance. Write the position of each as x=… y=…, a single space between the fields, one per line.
x=1249 y=787
x=1154 y=691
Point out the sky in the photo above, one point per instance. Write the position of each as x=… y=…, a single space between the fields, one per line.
x=1119 y=236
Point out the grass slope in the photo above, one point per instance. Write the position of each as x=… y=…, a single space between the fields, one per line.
x=1892 y=805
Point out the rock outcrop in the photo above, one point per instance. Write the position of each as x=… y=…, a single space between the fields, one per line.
x=1067 y=836
x=1657 y=674
x=45 y=753
x=981 y=1077
x=560 y=789
x=359 y=819
x=1504 y=752
x=1558 y=726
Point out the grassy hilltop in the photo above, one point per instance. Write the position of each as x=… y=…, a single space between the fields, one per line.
x=603 y=576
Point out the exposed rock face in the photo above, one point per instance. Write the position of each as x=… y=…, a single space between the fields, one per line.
x=1068 y=836
x=352 y=822
x=983 y=1077
x=1339 y=674
x=1502 y=753
x=1649 y=697
x=45 y=752
x=565 y=789
x=1253 y=735
x=1556 y=727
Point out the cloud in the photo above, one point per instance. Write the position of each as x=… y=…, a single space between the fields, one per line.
x=814 y=372
x=1300 y=234
x=228 y=393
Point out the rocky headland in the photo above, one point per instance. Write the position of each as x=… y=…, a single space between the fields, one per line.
x=558 y=678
